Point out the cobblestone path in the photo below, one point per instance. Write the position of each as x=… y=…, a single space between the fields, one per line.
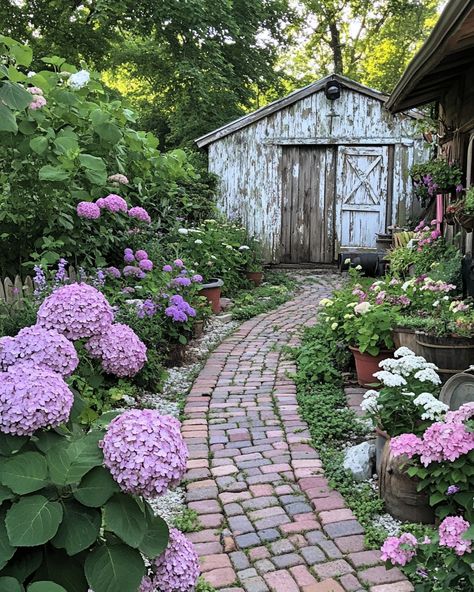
x=271 y=521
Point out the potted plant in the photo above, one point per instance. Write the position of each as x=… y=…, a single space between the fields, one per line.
x=433 y=177
x=406 y=401
x=252 y=260
x=450 y=214
x=464 y=212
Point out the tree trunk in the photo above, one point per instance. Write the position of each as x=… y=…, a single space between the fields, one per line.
x=336 y=47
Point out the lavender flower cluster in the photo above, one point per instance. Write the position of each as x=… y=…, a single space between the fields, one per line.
x=177 y=569
x=112 y=203
x=31 y=398
x=142 y=261
x=179 y=310
x=145 y=452
x=43 y=347
x=77 y=311
x=119 y=349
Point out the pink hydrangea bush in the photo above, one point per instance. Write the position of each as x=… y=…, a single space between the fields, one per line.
x=32 y=398
x=77 y=311
x=145 y=452
x=43 y=347
x=177 y=569
x=139 y=213
x=399 y=550
x=451 y=532
x=88 y=210
x=119 y=349
x=112 y=203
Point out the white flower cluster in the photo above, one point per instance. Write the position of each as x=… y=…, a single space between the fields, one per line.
x=370 y=402
x=389 y=378
x=406 y=363
x=79 y=79
x=434 y=409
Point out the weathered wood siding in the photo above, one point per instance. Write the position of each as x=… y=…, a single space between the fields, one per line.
x=250 y=163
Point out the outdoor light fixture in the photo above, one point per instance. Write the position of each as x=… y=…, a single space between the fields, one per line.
x=332 y=90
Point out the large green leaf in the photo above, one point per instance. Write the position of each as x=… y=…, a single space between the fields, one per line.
x=5 y=494
x=94 y=163
x=46 y=440
x=32 y=521
x=6 y=550
x=45 y=587
x=8 y=584
x=23 y=54
x=62 y=569
x=79 y=528
x=24 y=473
x=65 y=142
x=109 y=132
x=124 y=517
x=7 y=120
x=156 y=536
x=49 y=172
x=96 y=487
x=23 y=564
x=11 y=444
x=110 y=568
x=14 y=95
x=68 y=464
x=39 y=144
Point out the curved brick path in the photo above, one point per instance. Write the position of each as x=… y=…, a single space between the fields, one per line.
x=271 y=522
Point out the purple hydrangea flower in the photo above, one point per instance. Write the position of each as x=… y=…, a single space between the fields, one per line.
x=119 y=349
x=182 y=281
x=176 y=314
x=167 y=268
x=32 y=398
x=145 y=452
x=179 y=263
x=113 y=272
x=113 y=203
x=139 y=214
x=132 y=271
x=452 y=489
x=197 y=278
x=76 y=310
x=128 y=256
x=145 y=265
x=89 y=210
x=42 y=347
x=140 y=255
x=177 y=569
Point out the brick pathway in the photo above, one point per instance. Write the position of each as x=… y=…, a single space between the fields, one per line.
x=271 y=522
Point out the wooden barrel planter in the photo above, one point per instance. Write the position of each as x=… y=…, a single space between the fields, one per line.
x=255 y=277
x=399 y=491
x=450 y=353
x=403 y=337
x=465 y=220
x=367 y=365
x=198 y=329
x=211 y=290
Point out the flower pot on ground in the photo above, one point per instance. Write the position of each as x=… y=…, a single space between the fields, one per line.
x=452 y=354
x=255 y=277
x=212 y=291
x=367 y=365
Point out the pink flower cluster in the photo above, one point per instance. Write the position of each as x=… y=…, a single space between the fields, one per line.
x=37 y=100
x=426 y=234
x=145 y=452
x=119 y=349
x=140 y=257
x=112 y=203
x=451 y=532
x=88 y=210
x=43 y=347
x=77 y=311
x=31 y=398
x=139 y=214
x=118 y=178
x=399 y=550
x=177 y=569
x=442 y=441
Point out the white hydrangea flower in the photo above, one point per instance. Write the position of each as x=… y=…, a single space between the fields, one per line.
x=198 y=241
x=389 y=379
x=403 y=351
x=79 y=79
x=183 y=231
x=362 y=308
x=334 y=326
x=244 y=248
x=434 y=408
x=428 y=375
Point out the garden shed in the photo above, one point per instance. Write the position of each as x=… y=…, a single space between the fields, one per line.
x=318 y=172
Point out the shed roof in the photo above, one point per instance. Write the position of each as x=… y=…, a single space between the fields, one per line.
x=279 y=104
x=442 y=58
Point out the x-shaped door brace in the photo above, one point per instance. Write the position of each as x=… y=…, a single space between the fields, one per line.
x=362 y=178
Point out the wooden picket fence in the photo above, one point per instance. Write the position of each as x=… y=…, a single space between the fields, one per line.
x=14 y=290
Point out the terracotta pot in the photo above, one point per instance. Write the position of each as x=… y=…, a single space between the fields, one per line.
x=403 y=337
x=212 y=291
x=400 y=491
x=367 y=365
x=450 y=353
x=255 y=277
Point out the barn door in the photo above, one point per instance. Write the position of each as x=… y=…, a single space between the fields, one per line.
x=361 y=194
x=307 y=204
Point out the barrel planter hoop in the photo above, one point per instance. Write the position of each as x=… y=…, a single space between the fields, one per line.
x=450 y=353
x=403 y=337
x=212 y=291
x=367 y=365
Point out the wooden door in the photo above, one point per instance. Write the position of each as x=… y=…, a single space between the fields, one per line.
x=361 y=195
x=307 y=234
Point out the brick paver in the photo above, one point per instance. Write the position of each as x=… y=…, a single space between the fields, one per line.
x=272 y=523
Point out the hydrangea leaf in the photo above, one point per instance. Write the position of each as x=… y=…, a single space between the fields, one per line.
x=79 y=528
x=25 y=472
x=11 y=444
x=7 y=120
x=32 y=521
x=45 y=587
x=114 y=567
x=96 y=487
x=68 y=464
x=6 y=550
x=8 y=584
x=23 y=564
x=124 y=517
x=14 y=96
x=39 y=144
x=52 y=173
x=5 y=494
x=109 y=132
x=62 y=569
x=156 y=536
x=23 y=54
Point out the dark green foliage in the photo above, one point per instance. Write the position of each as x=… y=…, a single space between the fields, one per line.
x=277 y=289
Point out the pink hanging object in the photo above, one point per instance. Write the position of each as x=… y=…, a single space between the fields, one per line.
x=439 y=210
